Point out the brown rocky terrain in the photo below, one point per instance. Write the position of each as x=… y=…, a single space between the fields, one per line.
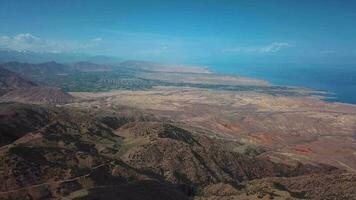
x=72 y=154
x=301 y=127
x=10 y=80
x=206 y=137
x=37 y=95
x=15 y=88
x=42 y=69
x=19 y=119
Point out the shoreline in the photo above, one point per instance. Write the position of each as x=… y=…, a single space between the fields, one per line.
x=330 y=95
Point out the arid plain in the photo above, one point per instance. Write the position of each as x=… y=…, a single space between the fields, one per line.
x=298 y=127
x=141 y=130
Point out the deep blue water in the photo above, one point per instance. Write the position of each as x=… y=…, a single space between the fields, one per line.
x=338 y=80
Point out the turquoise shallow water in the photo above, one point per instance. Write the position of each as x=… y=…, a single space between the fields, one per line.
x=338 y=80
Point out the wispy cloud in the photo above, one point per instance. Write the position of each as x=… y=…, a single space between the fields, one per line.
x=27 y=41
x=274 y=47
x=271 y=48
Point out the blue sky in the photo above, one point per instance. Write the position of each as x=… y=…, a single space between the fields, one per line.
x=194 y=31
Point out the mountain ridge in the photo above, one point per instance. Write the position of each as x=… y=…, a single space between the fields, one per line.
x=75 y=155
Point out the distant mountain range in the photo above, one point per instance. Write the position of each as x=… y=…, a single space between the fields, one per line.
x=41 y=83
x=7 y=55
x=87 y=61
x=15 y=88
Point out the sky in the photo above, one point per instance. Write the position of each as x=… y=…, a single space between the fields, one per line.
x=180 y=31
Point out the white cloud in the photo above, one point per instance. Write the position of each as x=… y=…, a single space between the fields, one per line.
x=271 y=48
x=274 y=47
x=27 y=41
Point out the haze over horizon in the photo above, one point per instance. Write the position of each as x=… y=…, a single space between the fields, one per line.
x=185 y=31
